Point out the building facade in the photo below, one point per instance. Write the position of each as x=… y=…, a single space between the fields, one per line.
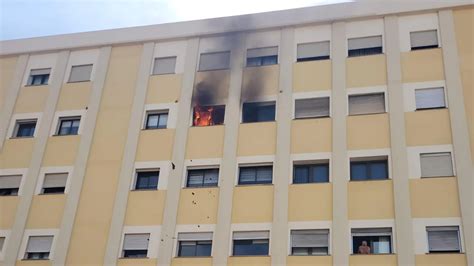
x=330 y=135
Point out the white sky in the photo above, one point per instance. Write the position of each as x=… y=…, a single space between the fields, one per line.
x=32 y=18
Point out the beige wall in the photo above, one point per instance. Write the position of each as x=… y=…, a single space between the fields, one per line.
x=312 y=76
x=366 y=71
x=205 y=142
x=216 y=82
x=422 y=65
x=375 y=260
x=198 y=206
x=8 y=209
x=136 y=262
x=139 y=212
x=257 y=139
x=249 y=261
x=31 y=99
x=61 y=150
x=33 y=263
x=74 y=96
x=252 y=204
x=370 y=200
x=310 y=202
x=441 y=260
x=430 y=127
x=191 y=262
x=164 y=89
x=7 y=66
x=309 y=261
x=434 y=197
x=260 y=81
x=46 y=211
x=155 y=145
x=368 y=132
x=311 y=135
x=16 y=153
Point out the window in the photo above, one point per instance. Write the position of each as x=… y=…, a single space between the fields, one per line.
x=194 y=244
x=424 y=39
x=9 y=185
x=361 y=104
x=369 y=169
x=251 y=243
x=312 y=51
x=68 y=126
x=80 y=73
x=443 y=239
x=214 y=61
x=365 y=46
x=311 y=173
x=208 y=115
x=372 y=241
x=39 y=77
x=135 y=245
x=146 y=180
x=436 y=164
x=310 y=242
x=164 y=65
x=262 y=56
x=24 y=128
x=156 y=120
x=251 y=175
x=429 y=98
x=312 y=108
x=258 y=112
x=54 y=183
x=202 y=178
x=2 y=243
x=38 y=247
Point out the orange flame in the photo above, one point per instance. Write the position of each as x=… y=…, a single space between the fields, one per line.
x=203 y=116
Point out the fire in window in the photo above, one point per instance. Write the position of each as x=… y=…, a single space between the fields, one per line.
x=208 y=115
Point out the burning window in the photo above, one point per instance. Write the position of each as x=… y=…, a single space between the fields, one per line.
x=209 y=115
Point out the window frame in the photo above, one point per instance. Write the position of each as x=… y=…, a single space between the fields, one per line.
x=310 y=165
x=164 y=57
x=123 y=251
x=45 y=255
x=81 y=65
x=71 y=119
x=459 y=236
x=149 y=113
x=313 y=58
x=312 y=97
x=328 y=246
x=382 y=48
x=368 y=92
x=20 y=122
x=365 y=160
x=30 y=81
x=12 y=191
x=42 y=189
x=145 y=170
x=214 y=53
x=196 y=244
x=267 y=240
x=260 y=60
x=379 y=234
x=255 y=166
x=262 y=102
x=204 y=170
x=453 y=167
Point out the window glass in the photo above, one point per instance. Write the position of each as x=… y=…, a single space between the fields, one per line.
x=38 y=247
x=9 y=185
x=369 y=170
x=250 y=247
x=68 y=126
x=194 y=248
x=54 y=183
x=25 y=129
x=258 y=112
x=39 y=77
x=262 y=56
x=311 y=173
x=372 y=241
x=203 y=177
x=135 y=245
x=309 y=242
x=147 y=180
x=156 y=120
x=255 y=175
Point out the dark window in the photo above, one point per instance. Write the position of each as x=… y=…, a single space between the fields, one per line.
x=369 y=170
x=69 y=126
x=147 y=180
x=39 y=77
x=208 y=115
x=251 y=247
x=135 y=253
x=255 y=175
x=365 y=46
x=258 y=112
x=8 y=191
x=202 y=178
x=311 y=173
x=379 y=241
x=194 y=248
x=25 y=129
x=262 y=56
x=156 y=120
x=37 y=255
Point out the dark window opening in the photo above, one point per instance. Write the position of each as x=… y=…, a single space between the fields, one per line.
x=257 y=247
x=147 y=180
x=309 y=251
x=141 y=253
x=53 y=190
x=255 y=175
x=369 y=170
x=156 y=120
x=365 y=51
x=25 y=129
x=194 y=248
x=376 y=244
x=202 y=178
x=258 y=112
x=314 y=58
x=424 y=47
x=37 y=255
x=311 y=173
x=262 y=60
x=208 y=115
x=68 y=126
x=8 y=191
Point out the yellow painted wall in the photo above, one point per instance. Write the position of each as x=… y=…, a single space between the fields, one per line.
x=8 y=210
x=463 y=21
x=7 y=70
x=164 y=89
x=33 y=263
x=260 y=81
x=16 y=153
x=422 y=65
x=191 y=261
x=366 y=71
x=198 y=206
x=312 y=76
x=31 y=99
x=370 y=200
x=216 y=82
x=375 y=260
x=434 y=197
x=205 y=142
x=441 y=260
x=74 y=96
x=310 y=202
x=137 y=262
x=252 y=204
x=368 y=132
x=311 y=135
x=95 y=207
x=139 y=212
x=249 y=261
x=61 y=150
x=155 y=145
x=430 y=127
x=46 y=211
x=257 y=139
x=309 y=261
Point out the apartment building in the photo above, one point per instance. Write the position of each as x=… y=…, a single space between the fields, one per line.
x=329 y=135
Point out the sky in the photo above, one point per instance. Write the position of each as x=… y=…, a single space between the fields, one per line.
x=33 y=18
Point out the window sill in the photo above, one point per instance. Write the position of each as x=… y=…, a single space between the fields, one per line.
x=251 y=185
x=133 y=258
x=210 y=70
x=261 y=66
x=383 y=254
x=429 y=177
x=246 y=256
x=145 y=189
x=29 y=137
x=366 y=180
x=369 y=114
x=38 y=85
x=209 y=125
x=312 y=60
x=269 y=121
x=445 y=253
x=146 y=129
x=80 y=81
x=414 y=49
x=203 y=187
x=9 y=196
x=35 y=259
x=46 y=194
x=325 y=255
x=430 y=108
x=348 y=56
x=313 y=117
x=162 y=74
x=310 y=183
x=56 y=135
x=193 y=257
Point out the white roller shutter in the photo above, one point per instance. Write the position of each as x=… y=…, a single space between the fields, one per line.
x=80 y=73
x=315 y=49
x=259 y=52
x=382 y=231
x=39 y=244
x=364 y=42
x=315 y=107
x=429 y=98
x=443 y=238
x=366 y=104
x=214 y=61
x=55 y=180
x=164 y=65
x=197 y=236
x=426 y=38
x=136 y=241
x=10 y=181
x=309 y=238
x=436 y=164
x=43 y=71
x=251 y=235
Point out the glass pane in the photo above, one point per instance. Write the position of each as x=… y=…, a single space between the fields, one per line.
x=269 y=60
x=300 y=251
x=186 y=249
x=204 y=250
x=301 y=175
x=26 y=129
x=266 y=113
x=378 y=170
x=254 y=61
x=247 y=175
x=195 y=178
x=211 y=177
x=152 y=121
x=358 y=171
x=248 y=248
x=382 y=246
x=264 y=174
x=75 y=127
x=320 y=173
x=65 y=127
x=163 y=121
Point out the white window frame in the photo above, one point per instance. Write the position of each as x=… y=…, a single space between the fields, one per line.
x=367 y=90
x=413 y=23
x=40 y=61
x=171 y=108
x=309 y=157
x=193 y=228
x=80 y=65
x=367 y=224
x=311 y=95
x=409 y=89
x=38 y=232
x=414 y=162
x=163 y=57
x=65 y=114
x=355 y=154
x=420 y=236
x=250 y=161
x=82 y=57
x=196 y=164
x=54 y=170
x=16 y=171
x=6 y=235
x=310 y=34
x=310 y=225
x=249 y=227
x=170 y=49
x=153 y=243
x=365 y=28
x=163 y=166
x=23 y=116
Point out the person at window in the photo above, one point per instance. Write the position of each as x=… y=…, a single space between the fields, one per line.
x=364 y=248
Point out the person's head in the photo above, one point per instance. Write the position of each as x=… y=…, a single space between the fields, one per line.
x=364 y=243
